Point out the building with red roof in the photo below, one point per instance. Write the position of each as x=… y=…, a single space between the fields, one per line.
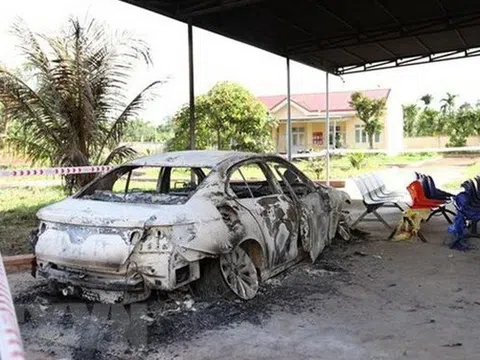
x=308 y=120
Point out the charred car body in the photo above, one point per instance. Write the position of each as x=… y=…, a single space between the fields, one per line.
x=246 y=215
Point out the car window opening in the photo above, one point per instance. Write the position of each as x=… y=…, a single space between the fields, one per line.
x=250 y=181
x=285 y=174
x=147 y=185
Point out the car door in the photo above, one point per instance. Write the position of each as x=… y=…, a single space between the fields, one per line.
x=314 y=206
x=251 y=186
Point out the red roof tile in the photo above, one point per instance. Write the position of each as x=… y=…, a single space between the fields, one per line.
x=315 y=102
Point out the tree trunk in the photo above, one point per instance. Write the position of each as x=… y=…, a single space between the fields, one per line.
x=370 y=141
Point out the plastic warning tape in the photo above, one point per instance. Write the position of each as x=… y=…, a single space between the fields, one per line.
x=11 y=346
x=56 y=171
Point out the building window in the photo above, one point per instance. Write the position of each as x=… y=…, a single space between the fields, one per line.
x=361 y=135
x=298 y=136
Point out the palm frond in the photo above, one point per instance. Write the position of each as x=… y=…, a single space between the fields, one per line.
x=30 y=46
x=120 y=155
x=39 y=153
x=22 y=103
x=130 y=111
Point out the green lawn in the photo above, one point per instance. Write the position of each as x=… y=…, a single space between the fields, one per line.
x=340 y=167
x=18 y=207
x=469 y=173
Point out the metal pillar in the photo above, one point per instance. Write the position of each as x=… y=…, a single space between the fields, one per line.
x=289 y=115
x=191 y=86
x=327 y=119
x=334 y=133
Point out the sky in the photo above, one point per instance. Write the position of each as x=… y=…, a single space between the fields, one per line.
x=217 y=58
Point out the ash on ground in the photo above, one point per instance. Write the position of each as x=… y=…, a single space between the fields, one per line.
x=74 y=329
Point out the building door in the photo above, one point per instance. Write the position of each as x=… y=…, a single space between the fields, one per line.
x=298 y=139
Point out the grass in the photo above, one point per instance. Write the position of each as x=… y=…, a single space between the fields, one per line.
x=18 y=207
x=340 y=167
x=469 y=173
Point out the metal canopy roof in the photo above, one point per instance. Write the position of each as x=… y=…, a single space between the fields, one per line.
x=339 y=36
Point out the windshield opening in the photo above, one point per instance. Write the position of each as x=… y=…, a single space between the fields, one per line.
x=146 y=184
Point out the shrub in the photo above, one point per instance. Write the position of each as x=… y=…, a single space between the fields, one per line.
x=357 y=160
x=316 y=165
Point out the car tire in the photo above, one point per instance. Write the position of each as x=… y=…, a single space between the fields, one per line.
x=232 y=274
x=211 y=285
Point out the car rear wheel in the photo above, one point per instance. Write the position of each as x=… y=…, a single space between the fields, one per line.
x=239 y=273
x=231 y=275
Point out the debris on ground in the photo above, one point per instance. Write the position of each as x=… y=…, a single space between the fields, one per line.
x=147 y=318
x=360 y=253
x=166 y=318
x=273 y=282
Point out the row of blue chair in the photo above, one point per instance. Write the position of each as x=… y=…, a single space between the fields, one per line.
x=467 y=203
x=432 y=192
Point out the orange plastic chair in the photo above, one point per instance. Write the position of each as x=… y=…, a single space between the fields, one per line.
x=419 y=199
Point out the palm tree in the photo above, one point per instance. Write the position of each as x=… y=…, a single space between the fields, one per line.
x=447 y=113
x=427 y=99
x=448 y=103
x=73 y=108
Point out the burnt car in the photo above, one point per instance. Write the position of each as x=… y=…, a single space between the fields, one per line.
x=164 y=221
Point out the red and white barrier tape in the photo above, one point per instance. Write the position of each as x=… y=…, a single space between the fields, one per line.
x=55 y=171
x=11 y=346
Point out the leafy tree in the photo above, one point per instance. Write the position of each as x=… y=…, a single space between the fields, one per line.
x=74 y=108
x=140 y=130
x=458 y=124
x=164 y=132
x=462 y=125
x=369 y=111
x=410 y=115
x=427 y=122
x=228 y=117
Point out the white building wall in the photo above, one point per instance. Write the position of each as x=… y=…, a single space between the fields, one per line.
x=394 y=125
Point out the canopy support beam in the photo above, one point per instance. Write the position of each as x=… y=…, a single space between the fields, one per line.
x=416 y=60
x=327 y=117
x=191 y=86
x=289 y=114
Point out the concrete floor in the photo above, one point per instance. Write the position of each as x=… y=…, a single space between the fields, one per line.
x=401 y=301
x=376 y=299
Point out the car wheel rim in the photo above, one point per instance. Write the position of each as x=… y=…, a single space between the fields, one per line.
x=239 y=273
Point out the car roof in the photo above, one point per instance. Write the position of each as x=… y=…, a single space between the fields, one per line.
x=193 y=158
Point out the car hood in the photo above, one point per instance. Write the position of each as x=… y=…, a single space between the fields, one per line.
x=113 y=214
